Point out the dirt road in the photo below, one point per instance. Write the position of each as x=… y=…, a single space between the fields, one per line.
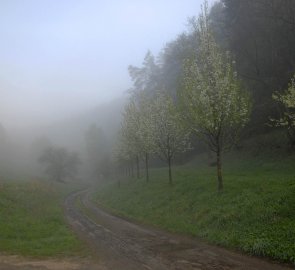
x=13 y=262
x=123 y=245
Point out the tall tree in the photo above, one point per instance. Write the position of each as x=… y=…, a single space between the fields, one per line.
x=214 y=105
x=145 y=84
x=145 y=131
x=145 y=78
x=98 y=151
x=123 y=155
x=129 y=142
x=136 y=127
x=169 y=135
x=171 y=61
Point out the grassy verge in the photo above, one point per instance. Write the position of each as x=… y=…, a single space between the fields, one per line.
x=32 y=222
x=255 y=213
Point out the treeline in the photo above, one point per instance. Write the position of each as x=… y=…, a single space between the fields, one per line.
x=227 y=72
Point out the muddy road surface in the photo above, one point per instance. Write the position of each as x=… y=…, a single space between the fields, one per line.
x=123 y=245
x=13 y=262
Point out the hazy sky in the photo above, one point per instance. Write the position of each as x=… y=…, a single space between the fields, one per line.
x=62 y=56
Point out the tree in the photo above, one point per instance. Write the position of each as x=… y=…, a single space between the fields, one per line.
x=214 y=105
x=145 y=84
x=287 y=120
x=130 y=140
x=145 y=78
x=169 y=135
x=145 y=133
x=60 y=163
x=125 y=152
x=135 y=129
x=171 y=61
x=97 y=151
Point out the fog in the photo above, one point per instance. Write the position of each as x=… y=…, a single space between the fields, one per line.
x=59 y=58
x=64 y=67
x=179 y=114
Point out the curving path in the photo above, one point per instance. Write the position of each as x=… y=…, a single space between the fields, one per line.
x=123 y=245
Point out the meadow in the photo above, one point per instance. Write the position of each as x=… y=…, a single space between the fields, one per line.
x=32 y=221
x=254 y=214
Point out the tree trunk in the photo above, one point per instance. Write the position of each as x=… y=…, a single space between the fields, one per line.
x=219 y=171
x=137 y=167
x=170 y=171
x=147 y=166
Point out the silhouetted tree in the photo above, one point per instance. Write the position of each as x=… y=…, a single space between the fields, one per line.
x=60 y=163
x=145 y=78
x=98 y=151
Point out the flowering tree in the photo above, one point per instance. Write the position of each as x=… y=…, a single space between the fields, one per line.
x=287 y=119
x=129 y=145
x=123 y=155
x=145 y=83
x=136 y=129
x=214 y=105
x=144 y=132
x=169 y=135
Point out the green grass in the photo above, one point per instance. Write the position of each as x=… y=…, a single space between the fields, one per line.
x=32 y=221
x=255 y=213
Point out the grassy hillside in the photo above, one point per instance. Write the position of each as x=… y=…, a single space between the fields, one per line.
x=32 y=222
x=255 y=213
